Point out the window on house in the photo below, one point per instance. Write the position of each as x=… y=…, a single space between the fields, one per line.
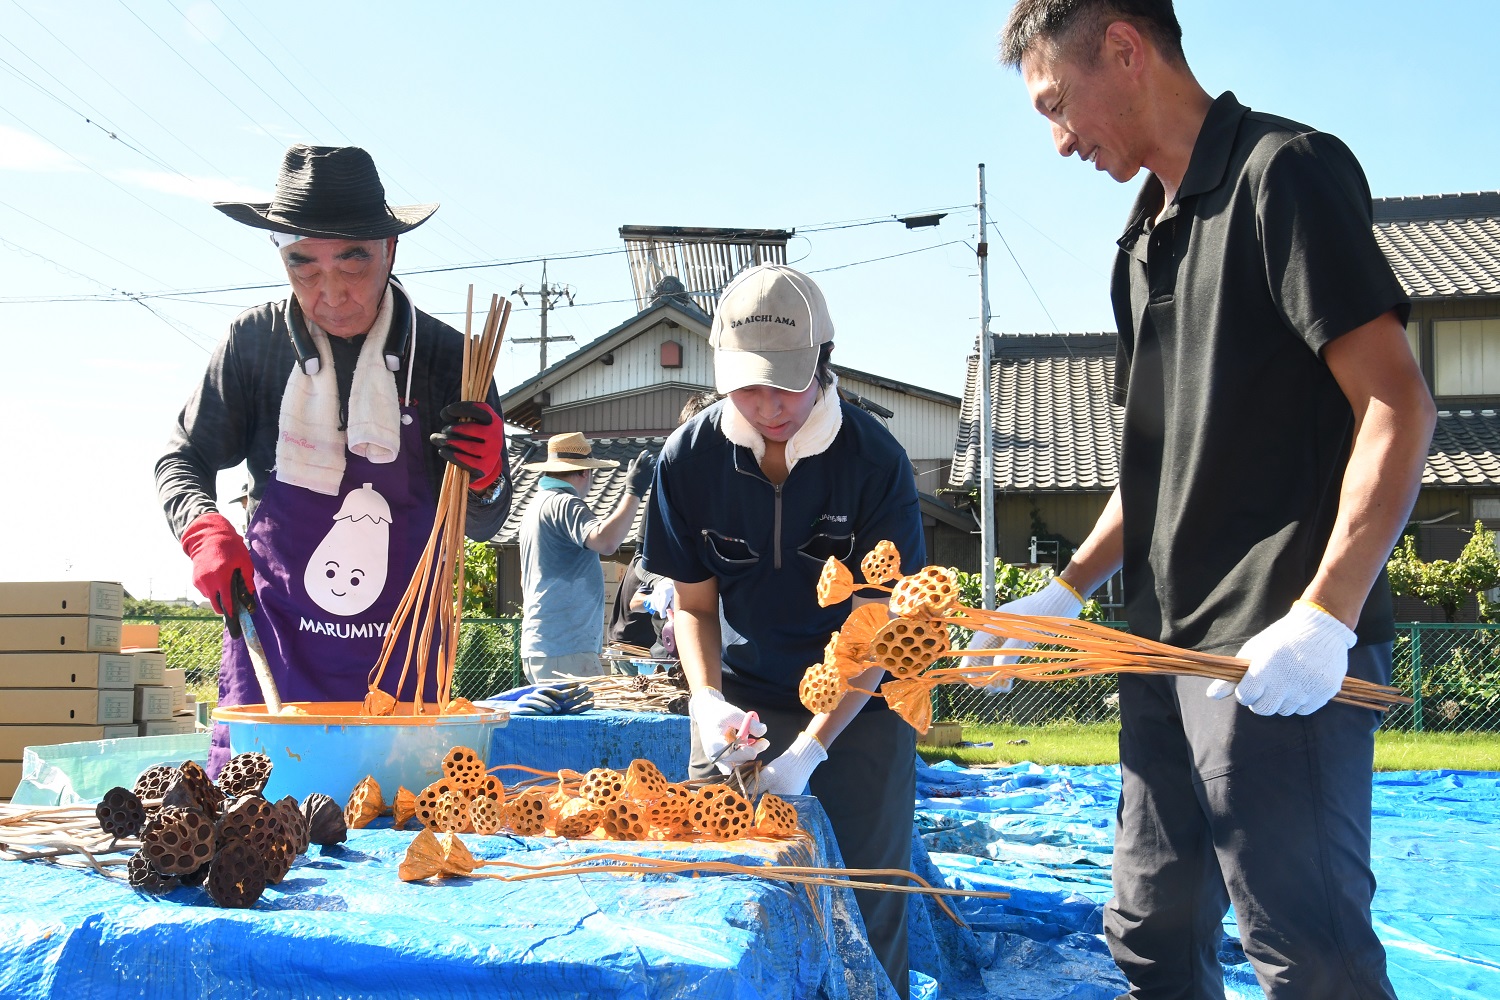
x=1414 y=339
x=1467 y=356
x=1486 y=508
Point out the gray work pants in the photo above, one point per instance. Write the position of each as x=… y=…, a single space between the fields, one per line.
x=868 y=788
x=1220 y=805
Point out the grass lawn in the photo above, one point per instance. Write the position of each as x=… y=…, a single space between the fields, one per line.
x=1096 y=744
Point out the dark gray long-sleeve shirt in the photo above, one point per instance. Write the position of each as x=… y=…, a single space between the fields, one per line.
x=232 y=416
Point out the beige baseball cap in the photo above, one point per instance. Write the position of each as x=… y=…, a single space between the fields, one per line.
x=769 y=325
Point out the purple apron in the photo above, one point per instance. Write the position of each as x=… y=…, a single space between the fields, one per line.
x=329 y=573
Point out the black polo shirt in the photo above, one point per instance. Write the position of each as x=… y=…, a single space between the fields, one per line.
x=1236 y=434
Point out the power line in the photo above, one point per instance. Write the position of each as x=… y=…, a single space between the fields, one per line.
x=823 y=227
x=1029 y=285
x=81 y=243
x=904 y=253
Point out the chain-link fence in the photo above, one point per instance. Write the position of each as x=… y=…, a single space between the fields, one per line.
x=1451 y=671
x=489 y=653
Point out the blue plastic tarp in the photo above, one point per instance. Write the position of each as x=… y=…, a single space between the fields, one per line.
x=1045 y=834
x=590 y=739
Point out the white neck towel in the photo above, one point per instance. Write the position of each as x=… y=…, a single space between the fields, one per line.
x=812 y=438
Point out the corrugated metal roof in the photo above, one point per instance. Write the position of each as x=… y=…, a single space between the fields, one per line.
x=604 y=493
x=1442 y=246
x=1055 y=428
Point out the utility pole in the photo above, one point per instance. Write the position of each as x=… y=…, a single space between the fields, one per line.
x=986 y=420
x=548 y=294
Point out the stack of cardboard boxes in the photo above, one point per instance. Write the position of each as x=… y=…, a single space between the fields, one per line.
x=160 y=692
x=63 y=676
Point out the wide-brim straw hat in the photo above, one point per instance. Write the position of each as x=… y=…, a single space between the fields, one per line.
x=570 y=453
x=329 y=192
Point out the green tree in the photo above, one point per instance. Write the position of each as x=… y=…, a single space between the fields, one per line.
x=136 y=608
x=1448 y=583
x=480 y=571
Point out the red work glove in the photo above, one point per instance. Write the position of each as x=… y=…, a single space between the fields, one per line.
x=473 y=440
x=217 y=550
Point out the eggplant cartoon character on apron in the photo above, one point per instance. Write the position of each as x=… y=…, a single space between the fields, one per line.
x=330 y=571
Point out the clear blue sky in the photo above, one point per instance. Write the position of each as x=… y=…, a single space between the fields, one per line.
x=544 y=127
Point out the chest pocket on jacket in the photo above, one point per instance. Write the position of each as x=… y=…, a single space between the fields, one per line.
x=726 y=556
x=819 y=547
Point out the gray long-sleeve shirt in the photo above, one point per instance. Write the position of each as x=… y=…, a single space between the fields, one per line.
x=232 y=416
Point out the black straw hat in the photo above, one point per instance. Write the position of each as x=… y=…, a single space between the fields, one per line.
x=328 y=192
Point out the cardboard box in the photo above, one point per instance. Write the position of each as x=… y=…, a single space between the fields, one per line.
x=14 y=739
x=67 y=597
x=152 y=701
x=63 y=670
x=176 y=726
x=150 y=666
x=10 y=777
x=140 y=636
x=66 y=707
x=943 y=734
x=176 y=679
x=60 y=635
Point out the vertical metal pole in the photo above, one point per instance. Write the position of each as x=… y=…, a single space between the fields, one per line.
x=986 y=421
x=1416 y=677
x=544 y=316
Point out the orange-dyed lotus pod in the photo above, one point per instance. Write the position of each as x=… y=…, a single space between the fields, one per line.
x=427 y=800
x=491 y=788
x=576 y=819
x=858 y=631
x=912 y=700
x=822 y=688
x=404 y=808
x=602 y=785
x=435 y=856
x=450 y=813
x=908 y=646
x=460 y=706
x=622 y=820
x=835 y=583
x=775 y=817
x=464 y=768
x=670 y=814
x=377 y=702
x=484 y=814
x=929 y=593
x=722 y=813
x=644 y=781
x=364 y=804
x=882 y=563
x=527 y=813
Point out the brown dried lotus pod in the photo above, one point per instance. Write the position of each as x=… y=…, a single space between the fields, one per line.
x=821 y=688
x=325 y=820
x=463 y=767
x=485 y=815
x=245 y=774
x=293 y=824
x=622 y=820
x=576 y=819
x=278 y=861
x=141 y=875
x=377 y=702
x=775 y=817
x=602 y=785
x=195 y=878
x=252 y=819
x=427 y=800
x=120 y=813
x=365 y=804
x=527 y=814
x=450 y=813
x=238 y=876
x=491 y=788
x=154 y=781
x=835 y=583
x=178 y=840
x=929 y=593
x=882 y=563
x=404 y=808
x=644 y=781
x=722 y=813
x=908 y=646
x=210 y=799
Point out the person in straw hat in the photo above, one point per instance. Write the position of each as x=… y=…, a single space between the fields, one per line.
x=343 y=402
x=562 y=581
x=751 y=498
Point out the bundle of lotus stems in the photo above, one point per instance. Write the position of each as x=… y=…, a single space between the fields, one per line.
x=69 y=835
x=926 y=603
x=433 y=602
x=664 y=691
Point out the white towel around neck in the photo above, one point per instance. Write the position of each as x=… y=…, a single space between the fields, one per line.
x=309 y=445
x=812 y=438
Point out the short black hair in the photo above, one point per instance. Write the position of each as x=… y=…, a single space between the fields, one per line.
x=823 y=375
x=1080 y=24
x=696 y=404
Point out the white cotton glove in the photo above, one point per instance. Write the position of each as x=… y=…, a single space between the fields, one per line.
x=659 y=600
x=1296 y=663
x=1056 y=600
x=717 y=722
x=788 y=774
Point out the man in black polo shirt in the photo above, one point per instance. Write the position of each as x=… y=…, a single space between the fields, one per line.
x=1276 y=426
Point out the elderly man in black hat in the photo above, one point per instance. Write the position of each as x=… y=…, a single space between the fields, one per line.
x=343 y=401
